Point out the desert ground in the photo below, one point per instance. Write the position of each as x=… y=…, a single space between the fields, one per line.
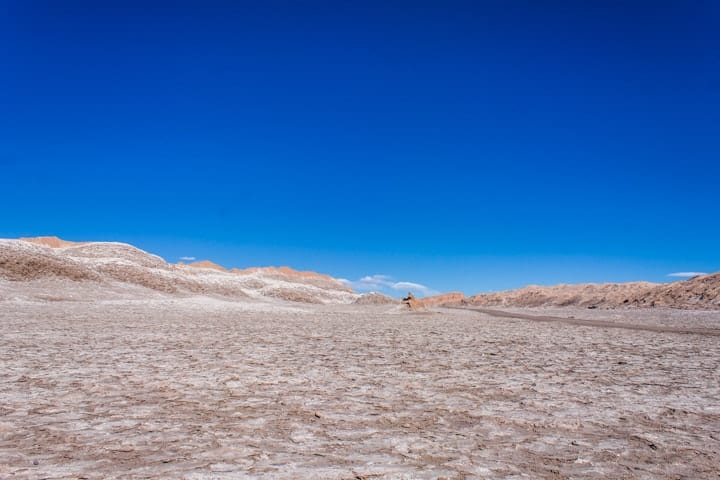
x=209 y=388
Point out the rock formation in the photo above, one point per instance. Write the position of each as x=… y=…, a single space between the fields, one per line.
x=434 y=301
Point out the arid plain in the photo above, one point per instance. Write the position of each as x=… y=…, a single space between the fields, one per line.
x=110 y=379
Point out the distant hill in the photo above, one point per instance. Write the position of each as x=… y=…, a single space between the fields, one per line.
x=702 y=292
x=110 y=264
x=117 y=267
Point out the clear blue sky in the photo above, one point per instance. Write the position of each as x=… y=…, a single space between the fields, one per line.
x=466 y=146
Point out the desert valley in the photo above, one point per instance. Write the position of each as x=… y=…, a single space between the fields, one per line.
x=359 y=240
x=117 y=364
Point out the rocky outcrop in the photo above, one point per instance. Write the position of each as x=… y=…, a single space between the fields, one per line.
x=434 y=301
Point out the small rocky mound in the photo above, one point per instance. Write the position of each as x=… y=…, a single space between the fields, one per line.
x=374 y=298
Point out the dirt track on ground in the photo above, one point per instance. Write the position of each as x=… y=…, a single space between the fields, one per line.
x=595 y=323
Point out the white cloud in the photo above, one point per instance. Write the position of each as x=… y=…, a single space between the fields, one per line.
x=187 y=259
x=410 y=286
x=379 y=283
x=686 y=274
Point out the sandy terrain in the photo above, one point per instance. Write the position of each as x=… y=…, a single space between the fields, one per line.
x=205 y=388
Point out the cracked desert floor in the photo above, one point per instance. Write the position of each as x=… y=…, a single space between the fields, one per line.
x=203 y=388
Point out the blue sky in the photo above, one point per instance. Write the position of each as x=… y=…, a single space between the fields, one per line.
x=469 y=146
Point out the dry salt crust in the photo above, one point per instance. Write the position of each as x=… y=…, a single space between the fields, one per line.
x=200 y=388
